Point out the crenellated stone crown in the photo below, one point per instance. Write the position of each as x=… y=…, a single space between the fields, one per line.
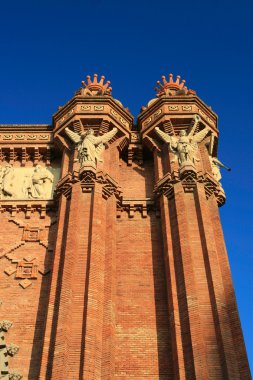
x=95 y=87
x=172 y=87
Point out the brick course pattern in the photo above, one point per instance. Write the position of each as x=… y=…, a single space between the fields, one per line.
x=122 y=274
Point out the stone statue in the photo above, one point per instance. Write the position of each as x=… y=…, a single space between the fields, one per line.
x=36 y=186
x=89 y=146
x=8 y=181
x=215 y=165
x=184 y=146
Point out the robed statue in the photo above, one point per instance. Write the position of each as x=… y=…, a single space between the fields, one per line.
x=215 y=166
x=184 y=146
x=90 y=146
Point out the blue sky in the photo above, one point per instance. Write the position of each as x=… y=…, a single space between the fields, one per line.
x=48 y=47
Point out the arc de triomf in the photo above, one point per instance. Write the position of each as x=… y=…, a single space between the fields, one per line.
x=112 y=258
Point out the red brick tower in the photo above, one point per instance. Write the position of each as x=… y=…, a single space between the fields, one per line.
x=123 y=274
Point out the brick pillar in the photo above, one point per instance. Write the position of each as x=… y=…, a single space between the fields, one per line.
x=69 y=328
x=94 y=298
x=206 y=334
x=55 y=291
x=204 y=322
x=173 y=302
x=190 y=293
x=80 y=334
x=238 y=349
x=108 y=359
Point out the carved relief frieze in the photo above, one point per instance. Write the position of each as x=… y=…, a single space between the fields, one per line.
x=147 y=122
x=25 y=137
x=173 y=108
x=27 y=183
x=91 y=107
x=119 y=118
x=154 y=116
x=85 y=107
x=186 y=108
x=191 y=108
x=67 y=116
x=206 y=117
x=99 y=108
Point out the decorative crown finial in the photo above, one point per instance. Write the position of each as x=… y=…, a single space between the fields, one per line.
x=97 y=87
x=172 y=87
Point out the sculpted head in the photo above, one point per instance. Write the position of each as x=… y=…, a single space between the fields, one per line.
x=37 y=168
x=87 y=133
x=182 y=133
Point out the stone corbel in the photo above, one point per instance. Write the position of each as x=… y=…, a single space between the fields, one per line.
x=151 y=144
x=189 y=179
x=132 y=206
x=87 y=177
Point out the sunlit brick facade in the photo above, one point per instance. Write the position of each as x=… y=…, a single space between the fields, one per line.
x=112 y=258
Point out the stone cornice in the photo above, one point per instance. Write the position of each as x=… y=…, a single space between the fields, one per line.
x=26 y=127
x=176 y=107
x=62 y=117
x=27 y=206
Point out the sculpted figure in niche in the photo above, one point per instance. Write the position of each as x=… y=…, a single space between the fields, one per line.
x=36 y=186
x=90 y=146
x=7 y=179
x=215 y=165
x=184 y=146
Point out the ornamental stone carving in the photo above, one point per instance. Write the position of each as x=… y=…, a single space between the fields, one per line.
x=12 y=349
x=184 y=146
x=7 y=180
x=89 y=146
x=36 y=186
x=215 y=165
x=27 y=183
x=5 y=350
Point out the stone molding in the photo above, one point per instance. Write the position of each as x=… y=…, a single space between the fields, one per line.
x=28 y=207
